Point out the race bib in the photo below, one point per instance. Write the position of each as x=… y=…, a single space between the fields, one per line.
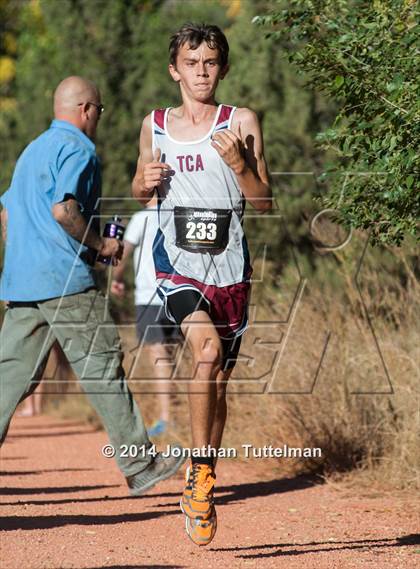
x=202 y=229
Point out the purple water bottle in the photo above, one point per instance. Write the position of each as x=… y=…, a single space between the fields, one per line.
x=113 y=229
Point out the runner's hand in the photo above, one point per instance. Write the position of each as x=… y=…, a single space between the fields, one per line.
x=229 y=146
x=155 y=172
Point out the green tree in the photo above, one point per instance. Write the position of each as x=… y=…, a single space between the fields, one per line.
x=8 y=46
x=122 y=46
x=364 y=55
x=9 y=32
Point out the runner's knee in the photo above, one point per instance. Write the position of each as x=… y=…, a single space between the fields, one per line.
x=210 y=353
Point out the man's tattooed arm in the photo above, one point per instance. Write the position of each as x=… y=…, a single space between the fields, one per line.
x=68 y=215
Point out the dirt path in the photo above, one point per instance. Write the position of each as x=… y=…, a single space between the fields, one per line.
x=65 y=506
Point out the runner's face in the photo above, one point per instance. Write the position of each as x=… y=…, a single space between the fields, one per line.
x=198 y=71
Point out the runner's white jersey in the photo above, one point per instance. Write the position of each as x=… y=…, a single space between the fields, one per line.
x=201 y=179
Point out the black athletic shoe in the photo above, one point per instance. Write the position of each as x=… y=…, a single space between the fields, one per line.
x=160 y=469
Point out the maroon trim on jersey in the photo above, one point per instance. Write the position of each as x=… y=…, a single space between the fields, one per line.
x=224 y=114
x=160 y=118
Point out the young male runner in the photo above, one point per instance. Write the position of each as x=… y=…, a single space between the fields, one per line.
x=205 y=160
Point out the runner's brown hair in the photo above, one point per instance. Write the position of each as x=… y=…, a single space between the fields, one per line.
x=194 y=35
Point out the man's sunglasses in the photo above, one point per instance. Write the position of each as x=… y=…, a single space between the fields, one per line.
x=99 y=108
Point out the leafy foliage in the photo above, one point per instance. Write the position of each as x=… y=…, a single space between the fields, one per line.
x=122 y=46
x=261 y=78
x=9 y=31
x=364 y=54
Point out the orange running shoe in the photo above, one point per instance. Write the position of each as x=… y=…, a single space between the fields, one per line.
x=201 y=532
x=197 y=501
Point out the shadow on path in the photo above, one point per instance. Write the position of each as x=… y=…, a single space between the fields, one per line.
x=11 y=523
x=74 y=500
x=29 y=472
x=58 y=425
x=140 y=567
x=412 y=539
x=52 y=490
x=36 y=435
x=13 y=458
x=239 y=492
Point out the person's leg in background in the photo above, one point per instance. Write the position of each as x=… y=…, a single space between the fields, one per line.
x=57 y=371
x=56 y=377
x=151 y=339
x=162 y=339
x=158 y=354
x=32 y=405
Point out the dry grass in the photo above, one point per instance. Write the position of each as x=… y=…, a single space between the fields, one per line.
x=360 y=404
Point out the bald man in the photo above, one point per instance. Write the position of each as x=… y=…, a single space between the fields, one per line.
x=50 y=224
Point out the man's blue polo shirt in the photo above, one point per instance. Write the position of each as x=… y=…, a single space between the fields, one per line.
x=41 y=260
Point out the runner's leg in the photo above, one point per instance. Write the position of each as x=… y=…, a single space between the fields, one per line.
x=204 y=342
x=220 y=414
x=230 y=353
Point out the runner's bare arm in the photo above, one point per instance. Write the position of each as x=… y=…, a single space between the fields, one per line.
x=150 y=171
x=242 y=149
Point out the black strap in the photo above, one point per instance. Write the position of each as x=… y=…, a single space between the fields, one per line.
x=34 y=303
x=18 y=304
